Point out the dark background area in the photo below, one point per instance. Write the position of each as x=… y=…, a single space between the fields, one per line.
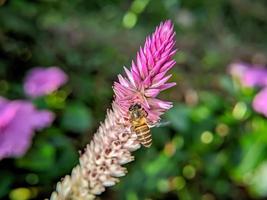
x=215 y=146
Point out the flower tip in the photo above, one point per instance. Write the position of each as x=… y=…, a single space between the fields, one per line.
x=168 y=23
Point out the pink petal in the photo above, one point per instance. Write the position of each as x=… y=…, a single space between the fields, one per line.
x=159 y=104
x=152 y=92
x=167 y=86
x=162 y=81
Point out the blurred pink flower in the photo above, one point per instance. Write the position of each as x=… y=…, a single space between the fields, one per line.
x=259 y=103
x=147 y=76
x=238 y=69
x=18 y=121
x=255 y=76
x=41 y=81
x=249 y=75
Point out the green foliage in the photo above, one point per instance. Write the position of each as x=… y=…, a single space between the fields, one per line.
x=215 y=146
x=76 y=118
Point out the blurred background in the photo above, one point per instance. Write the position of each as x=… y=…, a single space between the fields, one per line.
x=215 y=146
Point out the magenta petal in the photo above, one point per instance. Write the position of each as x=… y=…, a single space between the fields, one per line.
x=260 y=102
x=18 y=130
x=140 y=66
x=42 y=81
x=167 y=86
x=238 y=69
x=158 y=77
x=123 y=81
x=167 y=66
x=159 y=104
x=143 y=61
x=137 y=79
x=158 y=65
x=42 y=119
x=135 y=70
x=254 y=76
x=162 y=81
x=7 y=114
x=130 y=76
x=152 y=92
x=147 y=82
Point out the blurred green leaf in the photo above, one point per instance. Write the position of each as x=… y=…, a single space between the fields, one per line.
x=258 y=182
x=76 y=118
x=39 y=158
x=179 y=117
x=6 y=180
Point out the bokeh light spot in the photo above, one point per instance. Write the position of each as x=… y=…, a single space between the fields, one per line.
x=206 y=137
x=163 y=185
x=169 y=149
x=179 y=182
x=178 y=141
x=207 y=196
x=138 y=6
x=20 y=194
x=222 y=130
x=131 y=196
x=189 y=171
x=239 y=110
x=129 y=20
x=32 y=179
x=191 y=97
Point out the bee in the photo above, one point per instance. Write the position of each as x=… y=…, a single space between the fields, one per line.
x=140 y=125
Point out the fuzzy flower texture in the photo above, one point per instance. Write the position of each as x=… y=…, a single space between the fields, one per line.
x=101 y=163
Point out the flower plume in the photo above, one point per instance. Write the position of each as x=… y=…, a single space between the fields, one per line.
x=147 y=75
x=100 y=165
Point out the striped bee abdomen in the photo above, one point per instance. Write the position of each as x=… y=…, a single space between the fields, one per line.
x=144 y=135
x=139 y=125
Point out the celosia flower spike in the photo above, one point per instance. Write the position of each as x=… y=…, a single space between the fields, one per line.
x=101 y=164
x=147 y=75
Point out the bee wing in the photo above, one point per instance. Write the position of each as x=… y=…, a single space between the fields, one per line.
x=160 y=124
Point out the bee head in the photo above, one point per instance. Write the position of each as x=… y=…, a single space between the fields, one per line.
x=135 y=107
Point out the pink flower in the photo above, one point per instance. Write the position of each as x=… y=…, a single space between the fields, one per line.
x=259 y=103
x=249 y=75
x=255 y=76
x=147 y=76
x=42 y=81
x=18 y=121
x=238 y=69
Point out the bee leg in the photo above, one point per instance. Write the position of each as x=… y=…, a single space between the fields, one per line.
x=144 y=112
x=155 y=124
x=132 y=130
x=150 y=125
